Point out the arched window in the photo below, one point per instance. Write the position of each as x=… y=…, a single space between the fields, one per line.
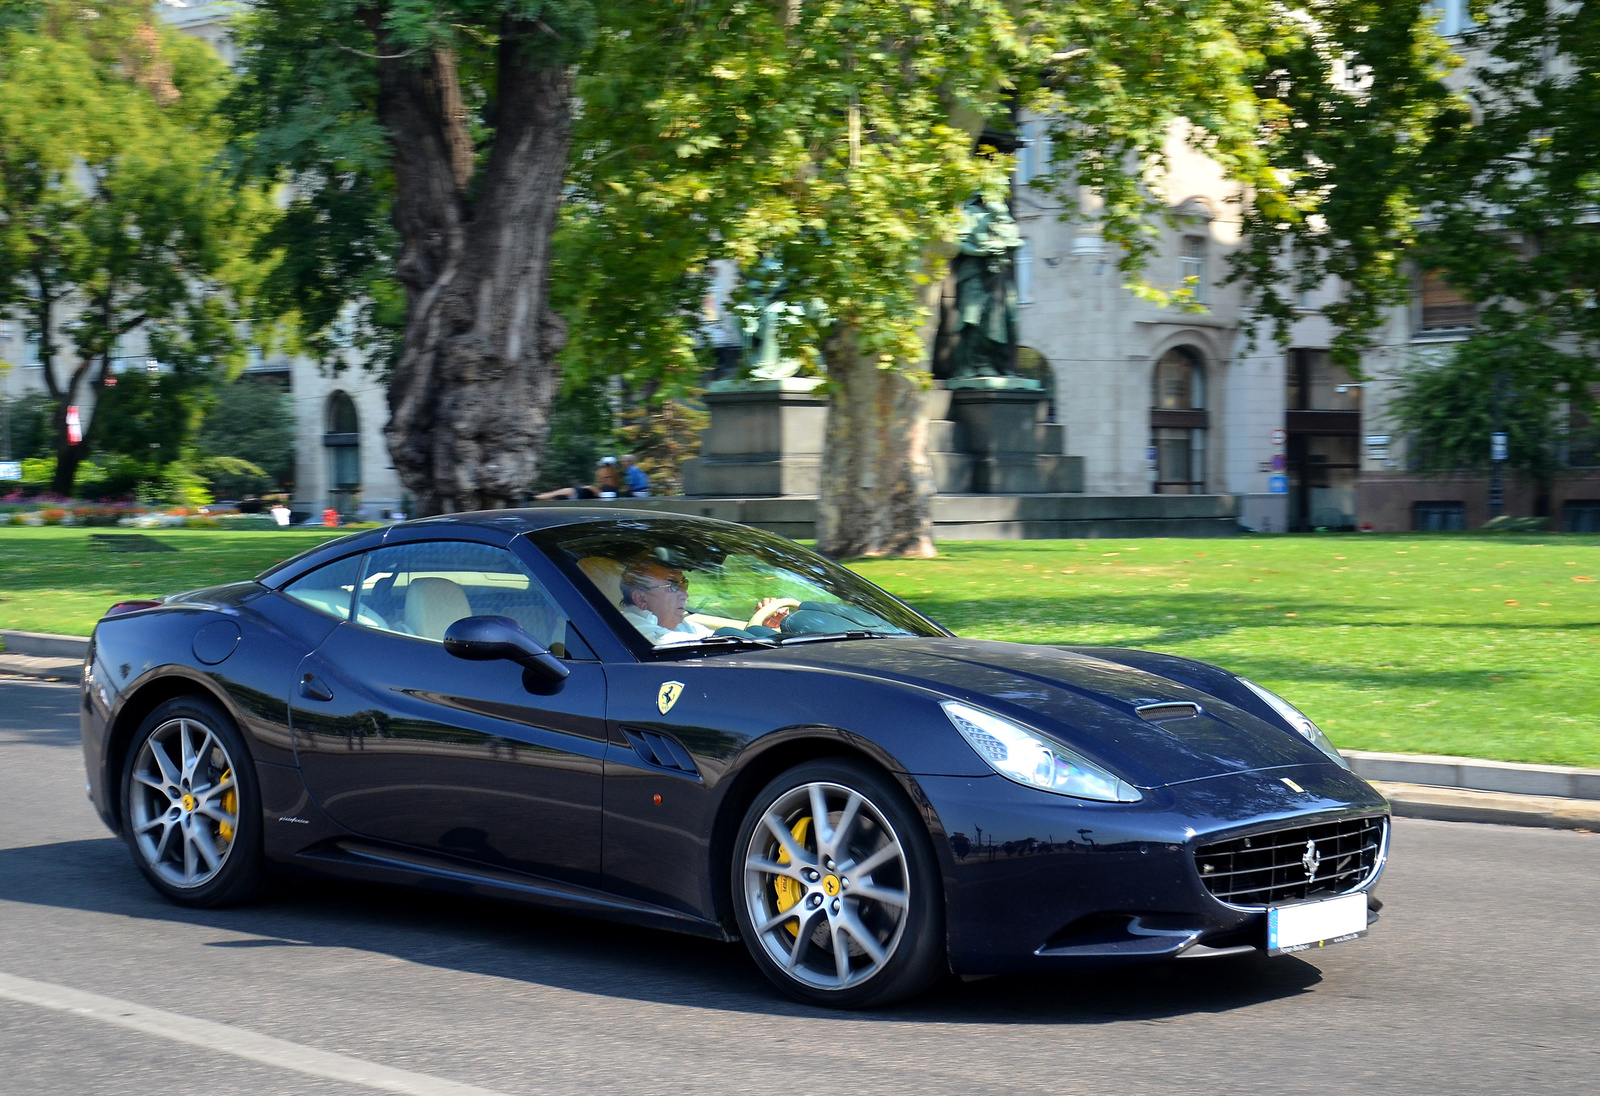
x=1178 y=421
x=342 y=443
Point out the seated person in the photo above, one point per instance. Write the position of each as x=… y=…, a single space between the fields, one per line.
x=655 y=599
x=607 y=485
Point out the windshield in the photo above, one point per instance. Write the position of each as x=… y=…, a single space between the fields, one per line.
x=681 y=582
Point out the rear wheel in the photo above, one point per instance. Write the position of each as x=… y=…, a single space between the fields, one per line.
x=191 y=808
x=836 y=889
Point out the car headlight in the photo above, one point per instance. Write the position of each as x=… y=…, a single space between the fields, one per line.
x=1298 y=720
x=1019 y=754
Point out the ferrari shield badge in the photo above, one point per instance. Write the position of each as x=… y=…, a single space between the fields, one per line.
x=668 y=696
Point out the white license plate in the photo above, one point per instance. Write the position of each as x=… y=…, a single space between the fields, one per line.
x=1316 y=924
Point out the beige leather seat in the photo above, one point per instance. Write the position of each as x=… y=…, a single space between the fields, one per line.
x=606 y=574
x=432 y=605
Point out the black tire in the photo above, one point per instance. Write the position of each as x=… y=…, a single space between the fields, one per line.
x=798 y=950
x=170 y=837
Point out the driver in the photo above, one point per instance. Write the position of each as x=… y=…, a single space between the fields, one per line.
x=655 y=598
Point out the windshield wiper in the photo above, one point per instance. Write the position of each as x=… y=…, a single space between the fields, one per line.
x=719 y=641
x=853 y=633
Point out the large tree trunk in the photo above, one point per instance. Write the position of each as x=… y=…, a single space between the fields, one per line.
x=877 y=487
x=470 y=396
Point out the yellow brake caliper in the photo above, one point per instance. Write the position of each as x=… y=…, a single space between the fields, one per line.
x=789 y=891
x=230 y=803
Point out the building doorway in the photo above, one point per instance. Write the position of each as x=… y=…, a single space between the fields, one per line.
x=342 y=444
x=1322 y=418
x=1178 y=423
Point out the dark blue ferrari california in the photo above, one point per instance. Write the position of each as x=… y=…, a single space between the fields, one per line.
x=693 y=725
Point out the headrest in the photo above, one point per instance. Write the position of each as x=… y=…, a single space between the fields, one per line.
x=432 y=605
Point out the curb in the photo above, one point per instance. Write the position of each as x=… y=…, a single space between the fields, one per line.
x=1467 y=772
x=44 y=645
x=1498 y=808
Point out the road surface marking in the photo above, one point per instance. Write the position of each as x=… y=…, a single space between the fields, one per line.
x=227 y=1039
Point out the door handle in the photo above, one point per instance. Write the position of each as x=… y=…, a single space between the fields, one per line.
x=312 y=689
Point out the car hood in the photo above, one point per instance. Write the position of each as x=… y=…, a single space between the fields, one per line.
x=1085 y=702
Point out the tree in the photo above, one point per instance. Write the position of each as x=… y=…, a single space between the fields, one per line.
x=452 y=123
x=1511 y=381
x=252 y=420
x=839 y=138
x=1510 y=201
x=115 y=221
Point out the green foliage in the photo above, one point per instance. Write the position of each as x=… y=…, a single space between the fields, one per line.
x=251 y=422
x=29 y=425
x=305 y=117
x=115 y=219
x=1510 y=203
x=581 y=432
x=1352 y=99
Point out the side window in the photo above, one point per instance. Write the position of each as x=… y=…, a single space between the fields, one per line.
x=422 y=589
x=328 y=589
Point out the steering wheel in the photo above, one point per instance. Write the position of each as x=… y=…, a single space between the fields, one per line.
x=776 y=605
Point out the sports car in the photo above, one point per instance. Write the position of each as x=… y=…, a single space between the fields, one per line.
x=693 y=725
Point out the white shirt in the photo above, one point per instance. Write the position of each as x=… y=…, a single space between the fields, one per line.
x=652 y=629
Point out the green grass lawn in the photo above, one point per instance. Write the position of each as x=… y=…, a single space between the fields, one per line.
x=1456 y=644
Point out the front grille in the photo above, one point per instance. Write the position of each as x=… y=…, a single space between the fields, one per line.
x=1267 y=869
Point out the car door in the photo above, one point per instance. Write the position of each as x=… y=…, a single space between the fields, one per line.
x=400 y=741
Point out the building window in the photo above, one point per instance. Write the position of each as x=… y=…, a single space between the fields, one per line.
x=1454 y=17
x=1033 y=153
x=1443 y=309
x=342 y=443
x=1024 y=269
x=1178 y=422
x=1438 y=517
x=1192 y=265
x=1581 y=516
x=1582 y=443
x=1322 y=417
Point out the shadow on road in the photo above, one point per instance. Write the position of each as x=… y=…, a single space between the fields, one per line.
x=507 y=941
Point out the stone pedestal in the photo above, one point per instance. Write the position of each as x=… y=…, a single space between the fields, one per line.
x=994 y=440
x=765 y=439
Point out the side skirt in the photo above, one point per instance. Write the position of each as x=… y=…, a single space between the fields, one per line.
x=352 y=858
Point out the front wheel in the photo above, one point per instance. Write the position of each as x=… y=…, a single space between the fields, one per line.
x=836 y=889
x=191 y=809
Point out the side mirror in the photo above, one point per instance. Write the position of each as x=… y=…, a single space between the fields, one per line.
x=489 y=638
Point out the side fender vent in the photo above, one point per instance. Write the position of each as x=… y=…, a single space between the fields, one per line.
x=661 y=751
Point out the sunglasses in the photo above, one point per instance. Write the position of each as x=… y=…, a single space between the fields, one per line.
x=670 y=587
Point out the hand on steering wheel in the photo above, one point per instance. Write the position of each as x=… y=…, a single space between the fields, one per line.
x=770 y=607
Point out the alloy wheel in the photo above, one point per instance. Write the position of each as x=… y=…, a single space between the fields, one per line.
x=184 y=803
x=826 y=885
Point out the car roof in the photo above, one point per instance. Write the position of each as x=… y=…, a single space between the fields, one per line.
x=505 y=523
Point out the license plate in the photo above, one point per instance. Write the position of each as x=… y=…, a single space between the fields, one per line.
x=1315 y=924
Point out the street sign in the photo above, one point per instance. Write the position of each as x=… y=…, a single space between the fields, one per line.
x=1278 y=462
x=1497 y=447
x=1150 y=454
x=1377 y=441
x=10 y=469
x=1277 y=485
x=1279 y=437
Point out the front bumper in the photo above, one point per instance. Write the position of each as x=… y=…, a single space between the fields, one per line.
x=1035 y=881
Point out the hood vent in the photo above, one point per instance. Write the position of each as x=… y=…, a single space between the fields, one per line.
x=1168 y=710
x=661 y=751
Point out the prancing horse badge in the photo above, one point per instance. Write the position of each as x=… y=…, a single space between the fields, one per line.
x=668 y=696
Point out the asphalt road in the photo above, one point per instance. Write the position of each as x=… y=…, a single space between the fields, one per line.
x=1482 y=977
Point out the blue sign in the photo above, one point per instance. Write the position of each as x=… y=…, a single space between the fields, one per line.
x=10 y=469
x=1497 y=447
x=1278 y=464
x=1277 y=485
